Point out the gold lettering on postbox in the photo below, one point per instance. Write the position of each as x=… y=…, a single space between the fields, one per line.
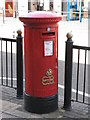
x=48 y=78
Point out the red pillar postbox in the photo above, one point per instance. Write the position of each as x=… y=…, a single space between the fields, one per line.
x=41 y=61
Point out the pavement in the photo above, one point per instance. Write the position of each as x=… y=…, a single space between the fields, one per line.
x=13 y=108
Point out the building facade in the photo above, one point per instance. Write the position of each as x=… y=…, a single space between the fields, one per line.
x=19 y=7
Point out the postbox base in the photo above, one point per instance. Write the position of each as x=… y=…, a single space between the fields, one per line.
x=40 y=105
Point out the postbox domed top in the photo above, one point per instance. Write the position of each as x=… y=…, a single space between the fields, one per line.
x=40 y=17
x=40 y=14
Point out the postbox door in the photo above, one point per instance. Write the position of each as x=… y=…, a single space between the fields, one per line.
x=45 y=62
x=44 y=67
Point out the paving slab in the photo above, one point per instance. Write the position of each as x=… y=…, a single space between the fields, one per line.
x=5 y=115
x=6 y=105
x=14 y=108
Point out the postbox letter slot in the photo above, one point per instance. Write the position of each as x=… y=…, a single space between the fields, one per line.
x=48 y=34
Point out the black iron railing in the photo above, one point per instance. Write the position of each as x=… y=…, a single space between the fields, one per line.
x=8 y=77
x=4 y=78
x=84 y=81
x=68 y=73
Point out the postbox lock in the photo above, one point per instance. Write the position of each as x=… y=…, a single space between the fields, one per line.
x=48 y=29
x=49 y=78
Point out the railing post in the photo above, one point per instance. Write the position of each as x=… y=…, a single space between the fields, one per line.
x=19 y=65
x=68 y=73
x=3 y=16
x=15 y=14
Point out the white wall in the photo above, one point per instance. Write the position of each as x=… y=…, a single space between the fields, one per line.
x=57 y=5
x=2 y=3
x=46 y=5
x=86 y=3
x=22 y=7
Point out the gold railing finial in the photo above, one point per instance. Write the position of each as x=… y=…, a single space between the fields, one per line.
x=69 y=35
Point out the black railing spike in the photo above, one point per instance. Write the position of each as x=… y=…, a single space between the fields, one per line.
x=77 y=75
